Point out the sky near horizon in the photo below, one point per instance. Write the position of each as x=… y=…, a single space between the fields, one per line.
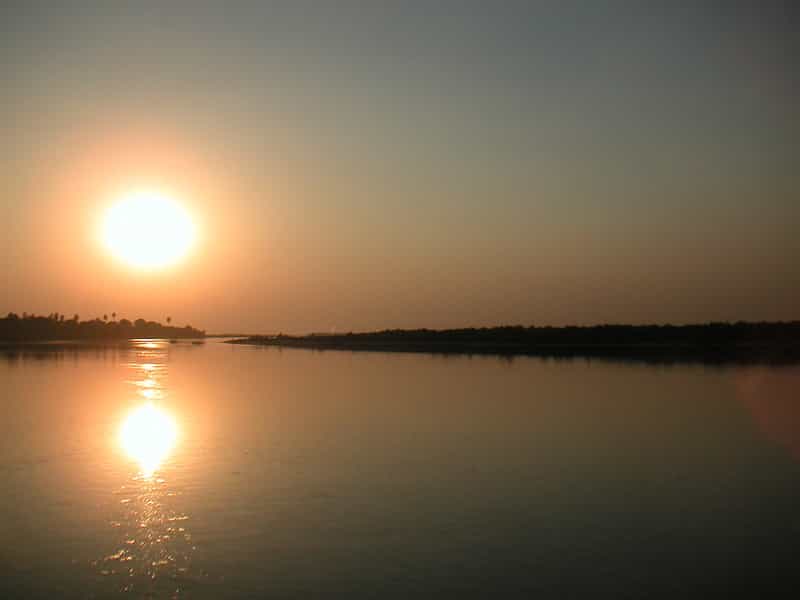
x=360 y=165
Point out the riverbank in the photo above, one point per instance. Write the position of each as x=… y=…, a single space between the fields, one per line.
x=715 y=343
x=55 y=327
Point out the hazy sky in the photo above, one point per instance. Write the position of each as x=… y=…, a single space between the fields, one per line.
x=360 y=165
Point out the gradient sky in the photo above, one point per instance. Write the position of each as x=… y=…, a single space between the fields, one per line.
x=360 y=165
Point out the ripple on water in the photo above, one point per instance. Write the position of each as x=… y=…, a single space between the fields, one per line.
x=152 y=548
x=153 y=544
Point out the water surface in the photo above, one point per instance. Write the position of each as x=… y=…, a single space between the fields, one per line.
x=214 y=471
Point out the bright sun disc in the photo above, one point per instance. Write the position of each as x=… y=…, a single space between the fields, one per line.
x=148 y=230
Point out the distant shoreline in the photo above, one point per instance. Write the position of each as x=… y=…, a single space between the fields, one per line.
x=56 y=327
x=712 y=343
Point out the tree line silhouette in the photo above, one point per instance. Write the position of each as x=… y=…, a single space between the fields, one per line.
x=723 y=340
x=56 y=326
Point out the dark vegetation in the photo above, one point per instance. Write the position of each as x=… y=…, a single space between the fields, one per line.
x=56 y=327
x=722 y=342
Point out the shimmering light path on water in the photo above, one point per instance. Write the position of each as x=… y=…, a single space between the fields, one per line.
x=214 y=471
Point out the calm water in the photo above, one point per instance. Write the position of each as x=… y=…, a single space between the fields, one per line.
x=215 y=471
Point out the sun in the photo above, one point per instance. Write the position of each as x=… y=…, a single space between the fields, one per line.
x=147 y=229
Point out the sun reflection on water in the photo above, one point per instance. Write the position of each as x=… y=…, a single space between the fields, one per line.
x=147 y=435
x=151 y=394
x=153 y=549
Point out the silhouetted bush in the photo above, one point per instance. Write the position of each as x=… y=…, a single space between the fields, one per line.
x=55 y=327
x=776 y=341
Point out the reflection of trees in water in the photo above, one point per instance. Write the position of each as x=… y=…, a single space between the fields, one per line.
x=771 y=396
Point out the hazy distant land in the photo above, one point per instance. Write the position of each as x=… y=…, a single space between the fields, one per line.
x=708 y=342
x=712 y=342
x=56 y=327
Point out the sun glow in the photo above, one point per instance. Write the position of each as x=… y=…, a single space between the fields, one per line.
x=148 y=435
x=148 y=230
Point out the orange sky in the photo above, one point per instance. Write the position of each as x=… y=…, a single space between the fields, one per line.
x=475 y=169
